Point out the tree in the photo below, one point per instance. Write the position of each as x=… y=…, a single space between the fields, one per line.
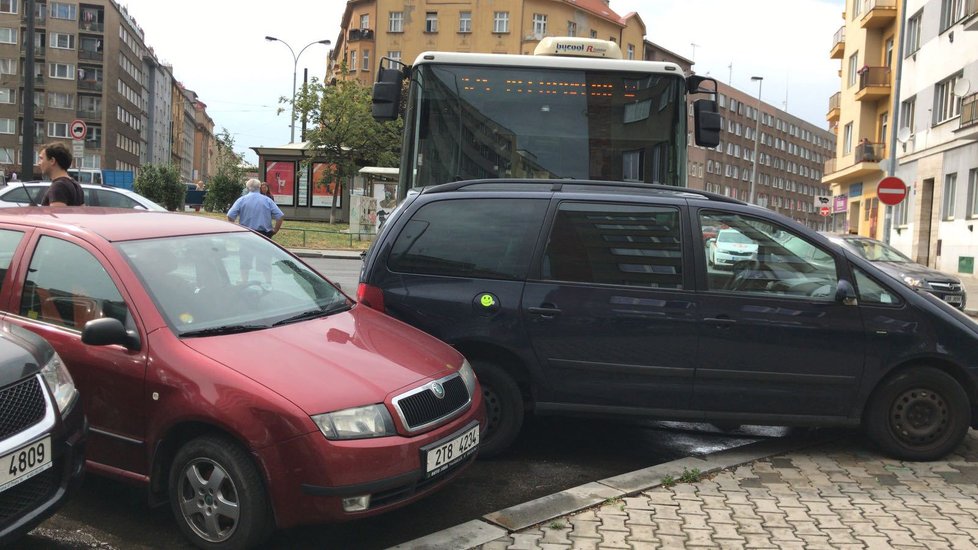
x=226 y=185
x=343 y=133
x=161 y=184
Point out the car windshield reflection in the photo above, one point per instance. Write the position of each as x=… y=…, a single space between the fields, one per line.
x=207 y=285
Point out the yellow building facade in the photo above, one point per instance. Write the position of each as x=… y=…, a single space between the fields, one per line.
x=860 y=113
x=401 y=30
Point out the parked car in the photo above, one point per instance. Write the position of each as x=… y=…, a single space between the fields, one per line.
x=729 y=247
x=42 y=432
x=895 y=263
x=31 y=193
x=590 y=298
x=225 y=375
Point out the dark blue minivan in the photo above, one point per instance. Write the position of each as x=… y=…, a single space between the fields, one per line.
x=580 y=297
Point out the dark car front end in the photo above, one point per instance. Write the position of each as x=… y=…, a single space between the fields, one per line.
x=42 y=432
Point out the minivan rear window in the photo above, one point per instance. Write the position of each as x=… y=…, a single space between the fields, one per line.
x=490 y=238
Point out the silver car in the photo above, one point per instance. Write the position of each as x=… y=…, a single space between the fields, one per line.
x=31 y=192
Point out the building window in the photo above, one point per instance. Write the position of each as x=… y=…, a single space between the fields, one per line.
x=856 y=9
x=847 y=139
x=946 y=104
x=365 y=21
x=7 y=155
x=631 y=51
x=8 y=126
x=61 y=41
x=594 y=33
x=61 y=70
x=8 y=35
x=60 y=10
x=395 y=22
x=8 y=6
x=571 y=28
x=365 y=64
x=631 y=165
x=913 y=33
x=500 y=21
x=8 y=95
x=952 y=11
x=907 y=110
x=947 y=207
x=973 y=193
x=431 y=21
x=888 y=56
x=58 y=129
x=539 y=25
x=61 y=100
x=353 y=60
x=394 y=55
x=464 y=21
x=853 y=69
x=884 y=125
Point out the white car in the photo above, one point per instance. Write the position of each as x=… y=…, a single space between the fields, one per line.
x=16 y=194
x=729 y=247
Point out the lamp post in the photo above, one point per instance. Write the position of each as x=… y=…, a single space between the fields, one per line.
x=295 y=69
x=757 y=138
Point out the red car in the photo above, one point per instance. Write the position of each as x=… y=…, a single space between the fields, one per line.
x=225 y=375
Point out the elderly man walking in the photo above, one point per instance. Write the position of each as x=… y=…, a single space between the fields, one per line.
x=256 y=212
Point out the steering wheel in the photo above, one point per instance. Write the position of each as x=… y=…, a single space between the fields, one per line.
x=742 y=272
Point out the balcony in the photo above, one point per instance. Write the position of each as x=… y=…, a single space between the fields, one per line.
x=38 y=80
x=878 y=13
x=970 y=20
x=968 y=121
x=834 y=110
x=91 y=26
x=93 y=143
x=874 y=84
x=360 y=34
x=838 y=44
x=88 y=55
x=38 y=51
x=40 y=15
x=90 y=85
x=89 y=114
x=866 y=158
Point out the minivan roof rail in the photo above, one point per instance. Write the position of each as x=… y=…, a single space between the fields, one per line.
x=557 y=185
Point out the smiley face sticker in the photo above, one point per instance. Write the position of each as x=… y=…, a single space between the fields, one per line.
x=485 y=303
x=487 y=300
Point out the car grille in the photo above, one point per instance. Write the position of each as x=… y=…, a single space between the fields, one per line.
x=945 y=286
x=21 y=406
x=421 y=408
x=26 y=496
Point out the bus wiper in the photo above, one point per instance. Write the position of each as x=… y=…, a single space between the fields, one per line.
x=217 y=331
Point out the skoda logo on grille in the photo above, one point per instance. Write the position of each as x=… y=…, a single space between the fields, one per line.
x=438 y=390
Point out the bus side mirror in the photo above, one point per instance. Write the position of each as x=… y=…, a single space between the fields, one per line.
x=706 y=119
x=387 y=94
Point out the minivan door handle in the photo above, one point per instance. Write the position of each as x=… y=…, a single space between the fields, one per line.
x=720 y=322
x=547 y=310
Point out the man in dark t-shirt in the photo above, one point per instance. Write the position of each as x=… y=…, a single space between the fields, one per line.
x=54 y=160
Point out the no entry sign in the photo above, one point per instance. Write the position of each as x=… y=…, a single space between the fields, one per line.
x=891 y=191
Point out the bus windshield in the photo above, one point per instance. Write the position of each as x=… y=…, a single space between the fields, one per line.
x=473 y=122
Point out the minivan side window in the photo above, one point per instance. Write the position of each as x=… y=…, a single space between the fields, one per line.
x=615 y=244
x=753 y=255
x=872 y=292
x=67 y=286
x=486 y=238
x=8 y=245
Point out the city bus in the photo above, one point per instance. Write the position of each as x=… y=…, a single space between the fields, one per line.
x=574 y=109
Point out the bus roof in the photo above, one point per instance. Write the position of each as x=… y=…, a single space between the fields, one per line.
x=547 y=62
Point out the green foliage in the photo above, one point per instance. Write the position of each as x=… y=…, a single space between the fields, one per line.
x=690 y=476
x=556 y=525
x=228 y=162
x=222 y=191
x=161 y=184
x=668 y=481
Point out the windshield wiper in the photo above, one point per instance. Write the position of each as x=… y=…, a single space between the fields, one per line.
x=229 y=329
x=336 y=307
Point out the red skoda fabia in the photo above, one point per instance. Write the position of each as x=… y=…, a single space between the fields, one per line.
x=228 y=377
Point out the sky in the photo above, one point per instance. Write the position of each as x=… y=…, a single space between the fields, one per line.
x=218 y=49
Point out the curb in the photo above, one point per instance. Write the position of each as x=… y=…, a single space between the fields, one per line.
x=498 y=524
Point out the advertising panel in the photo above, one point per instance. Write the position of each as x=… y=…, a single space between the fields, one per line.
x=280 y=177
x=323 y=185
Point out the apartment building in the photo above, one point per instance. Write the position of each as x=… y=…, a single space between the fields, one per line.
x=91 y=63
x=790 y=155
x=860 y=113
x=205 y=146
x=373 y=29
x=184 y=130
x=938 y=135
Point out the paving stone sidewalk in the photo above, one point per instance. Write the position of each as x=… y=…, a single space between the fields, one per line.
x=842 y=494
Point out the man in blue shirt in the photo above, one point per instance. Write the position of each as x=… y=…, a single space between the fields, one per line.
x=256 y=212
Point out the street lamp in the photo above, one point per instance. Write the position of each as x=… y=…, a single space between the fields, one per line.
x=295 y=69
x=757 y=138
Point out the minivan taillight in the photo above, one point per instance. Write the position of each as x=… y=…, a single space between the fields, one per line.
x=370 y=296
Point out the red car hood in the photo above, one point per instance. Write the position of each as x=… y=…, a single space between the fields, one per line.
x=349 y=359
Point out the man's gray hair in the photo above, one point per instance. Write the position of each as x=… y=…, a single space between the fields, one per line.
x=253 y=184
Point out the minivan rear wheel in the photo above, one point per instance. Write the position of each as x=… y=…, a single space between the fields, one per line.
x=217 y=495
x=504 y=408
x=919 y=414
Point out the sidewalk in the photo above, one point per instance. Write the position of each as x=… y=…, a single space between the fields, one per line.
x=838 y=493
